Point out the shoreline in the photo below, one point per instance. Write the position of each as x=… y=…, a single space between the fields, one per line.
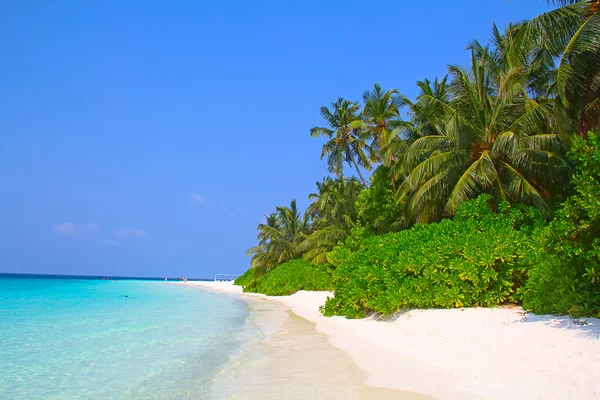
x=292 y=360
x=460 y=353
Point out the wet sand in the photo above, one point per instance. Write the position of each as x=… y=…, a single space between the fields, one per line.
x=467 y=354
x=295 y=361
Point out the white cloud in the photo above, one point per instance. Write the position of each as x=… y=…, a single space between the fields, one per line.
x=129 y=232
x=197 y=198
x=110 y=242
x=70 y=228
x=66 y=228
x=89 y=227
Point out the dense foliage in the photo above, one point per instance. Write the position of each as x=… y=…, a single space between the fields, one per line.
x=376 y=207
x=332 y=214
x=289 y=234
x=279 y=238
x=288 y=278
x=570 y=35
x=492 y=137
x=565 y=279
x=246 y=278
x=461 y=184
x=479 y=258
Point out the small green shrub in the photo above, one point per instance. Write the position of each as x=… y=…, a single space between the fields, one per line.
x=246 y=278
x=565 y=278
x=479 y=258
x=288 y=278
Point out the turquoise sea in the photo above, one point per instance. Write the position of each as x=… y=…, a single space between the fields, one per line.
x=127 y=339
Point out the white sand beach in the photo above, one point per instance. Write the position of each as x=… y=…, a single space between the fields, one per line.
x=500 y=353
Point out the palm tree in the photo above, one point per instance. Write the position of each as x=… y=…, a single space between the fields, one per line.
x=334 y=200
x=333 y=213
x=428 y=113
x=491 y=138
x=570 y=34
x=293 y=230
x=510 y=51
x=347 y=141
x=263 y=259
x=279 y=238
x=427 y=117
x=323 y=200
x=381 y=114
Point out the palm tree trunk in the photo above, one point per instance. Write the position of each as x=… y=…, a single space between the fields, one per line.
x=359 y=174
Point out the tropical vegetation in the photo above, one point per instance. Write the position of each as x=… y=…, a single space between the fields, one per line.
x=565 y=275
x=486 y=194
x=288 y=278
x=477 y=259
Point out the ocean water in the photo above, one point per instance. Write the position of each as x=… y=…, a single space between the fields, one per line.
x=95 y=339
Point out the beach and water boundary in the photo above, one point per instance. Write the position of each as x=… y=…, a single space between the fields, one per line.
x=82 y=338
x=499 y=353
x=292 y=360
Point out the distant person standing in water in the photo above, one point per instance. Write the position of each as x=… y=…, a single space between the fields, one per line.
x=184 y=280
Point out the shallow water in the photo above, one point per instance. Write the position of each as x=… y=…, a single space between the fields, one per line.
x=93 y=339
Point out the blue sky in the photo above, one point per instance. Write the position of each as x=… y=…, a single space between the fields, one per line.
x=149 y=138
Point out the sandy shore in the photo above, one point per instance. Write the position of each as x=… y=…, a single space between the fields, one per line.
x=291 y=360
x=461 y=354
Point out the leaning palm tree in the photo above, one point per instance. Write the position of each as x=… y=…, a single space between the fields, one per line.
x=492 y=138
x=571 y=35
x=279 y=238
x=333 y=213
x=346 y=138
x=263 y=258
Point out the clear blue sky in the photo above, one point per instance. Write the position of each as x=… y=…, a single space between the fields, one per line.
x=149 y=138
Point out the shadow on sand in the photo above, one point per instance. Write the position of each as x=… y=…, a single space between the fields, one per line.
x=587 y=328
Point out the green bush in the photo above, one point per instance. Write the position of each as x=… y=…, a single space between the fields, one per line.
x=377 y=207
x=288 y=278
x=566 y=277
x=479 y=258
x=246 y=278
